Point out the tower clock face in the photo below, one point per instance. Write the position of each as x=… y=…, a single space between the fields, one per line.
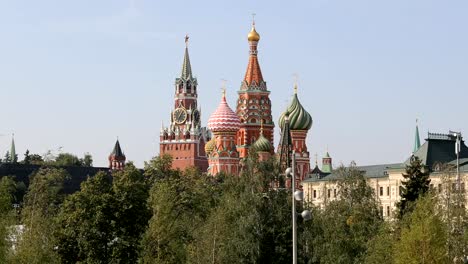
x=180 y=115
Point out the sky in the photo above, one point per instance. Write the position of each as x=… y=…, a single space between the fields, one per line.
x=77 y=74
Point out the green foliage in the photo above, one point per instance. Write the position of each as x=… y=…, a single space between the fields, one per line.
x=158 y=168
x=67 y=159
x=180 y=205
x=340 y=232
x=7 y=158
x=424 y=240
x=7 y=189
x=104 y=221
x=27 y=158
x=41 y=203
x=36 y=159
x=380 y=249
x=415 y=185
x=87 y=160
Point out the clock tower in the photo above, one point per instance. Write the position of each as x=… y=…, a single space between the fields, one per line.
x=184 y=139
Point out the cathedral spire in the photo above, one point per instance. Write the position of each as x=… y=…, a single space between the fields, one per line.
x=13 y=149
x=253 y=76
x=417 y=142
x=117 y=157
x=186 y=67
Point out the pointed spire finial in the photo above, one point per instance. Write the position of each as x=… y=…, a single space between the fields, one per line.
x=316 y=159
x=417 y=141
x=223 y=87
x=296 y=77
x=186 y=40
x=253 y=19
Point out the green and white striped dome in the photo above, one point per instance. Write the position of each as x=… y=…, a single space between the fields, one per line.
x=299 y=118
x=262 y=144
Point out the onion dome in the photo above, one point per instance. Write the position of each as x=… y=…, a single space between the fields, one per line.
x=224 y=119
x=262 y=144
x=299 y=118
x=209 y=146
x=253 y=35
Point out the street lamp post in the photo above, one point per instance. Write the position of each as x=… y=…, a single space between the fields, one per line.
x=296 y=196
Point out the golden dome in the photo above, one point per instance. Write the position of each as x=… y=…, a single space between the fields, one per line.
x=253 y=35
x=210 y=146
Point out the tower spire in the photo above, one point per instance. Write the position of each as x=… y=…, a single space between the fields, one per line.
x=417 y=142
x=13 y=149
x=186 y=67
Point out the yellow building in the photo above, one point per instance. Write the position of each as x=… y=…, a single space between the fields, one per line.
x=437 y=152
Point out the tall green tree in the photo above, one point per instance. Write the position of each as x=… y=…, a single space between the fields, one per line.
x=424 y=240
x=67 y=159
x=416 y=183
x=37 y=243
x=104 y=222
x=7 y=190
x=340 y=232
x=179 y=204
x=87 y=160
x=27 y=158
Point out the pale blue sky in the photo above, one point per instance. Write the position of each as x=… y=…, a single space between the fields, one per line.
x=77 y=74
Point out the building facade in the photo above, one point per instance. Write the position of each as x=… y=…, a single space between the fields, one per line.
x=437 y=153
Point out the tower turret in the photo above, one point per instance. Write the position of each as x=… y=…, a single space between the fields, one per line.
x=224 y=125
x=417 y=141
x=117 y=157
x=253 y=104
x=184 y=139
x=298 y=121
x=327 y=166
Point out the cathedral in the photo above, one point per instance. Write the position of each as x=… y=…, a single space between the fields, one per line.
x=231 y=134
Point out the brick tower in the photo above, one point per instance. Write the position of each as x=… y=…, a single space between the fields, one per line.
x=253 y=104
x=221 y=150
x=184 y=139
x=299 y=121
x=117 y=157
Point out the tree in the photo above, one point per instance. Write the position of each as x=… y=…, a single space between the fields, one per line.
x=67 y=159
x=27 y=158
x=424 y=240
x=104 y=222
x=415 y=185
x=36 y=159
x=87 y=160
x=7 y=158
x=380 y=249
x=41 y=204
x=180 y=204
x=158 y=168
x=85 y=232
x=340 y=232
x=7 y=190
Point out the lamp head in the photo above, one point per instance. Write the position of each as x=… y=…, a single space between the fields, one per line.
x=288 y=171
x=306 y=215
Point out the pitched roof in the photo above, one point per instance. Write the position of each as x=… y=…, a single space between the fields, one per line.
x=371 y=171
x=439 y=148
x=186 y=67
x=117 y=152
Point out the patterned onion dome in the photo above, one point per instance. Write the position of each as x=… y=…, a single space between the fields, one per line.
x=224 y=119
x=299 y=118
x=210 y=145
x=262 y=144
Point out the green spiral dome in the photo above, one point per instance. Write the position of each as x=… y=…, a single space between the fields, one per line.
x=299 y=118
x=262 y=144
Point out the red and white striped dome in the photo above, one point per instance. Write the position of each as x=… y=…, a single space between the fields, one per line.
x=224 y=119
